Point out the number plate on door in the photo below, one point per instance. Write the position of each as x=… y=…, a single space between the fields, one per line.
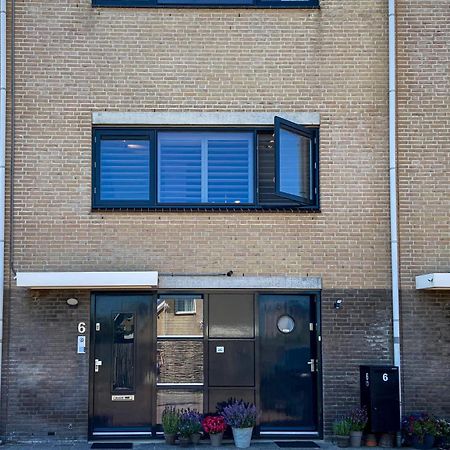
x=122 y=398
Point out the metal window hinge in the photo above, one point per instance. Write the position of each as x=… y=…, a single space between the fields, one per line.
x=311 y=326
x=97 y=326
x=95 y=164
x=315 y=165
x=315 y=191
x=95 y=190
x=95 y=139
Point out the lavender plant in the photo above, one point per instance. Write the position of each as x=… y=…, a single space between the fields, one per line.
x=190 y=422
x=358 y=419
x=240 y=414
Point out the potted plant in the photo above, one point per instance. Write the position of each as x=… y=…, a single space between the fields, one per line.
x=442 y=434
x=424 y=432
x=341 y=430
x=170 y=420
x=358 y=421
x=189 y=426
x=241 y=417
x=215 y=427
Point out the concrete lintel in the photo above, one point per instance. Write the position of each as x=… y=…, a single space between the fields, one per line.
x=202 y=118
x=239 y=282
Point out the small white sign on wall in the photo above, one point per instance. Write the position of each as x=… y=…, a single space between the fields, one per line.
x=220 y=349
x=81 y=344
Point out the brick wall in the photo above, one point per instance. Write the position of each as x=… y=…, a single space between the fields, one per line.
x=72 y=59
x=197 y=60
x=424 y=212
x=47 y=388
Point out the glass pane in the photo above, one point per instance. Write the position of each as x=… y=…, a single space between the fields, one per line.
x=180 y=315
x=178 y=399
x=180 y=361
x=230 y=165
x=204 y=167
x=123 y=352
x=124 y=169
x=295 y=164
x=179 y=169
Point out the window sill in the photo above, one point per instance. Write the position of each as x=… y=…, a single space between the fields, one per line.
x=283 y=4
x=285 y=209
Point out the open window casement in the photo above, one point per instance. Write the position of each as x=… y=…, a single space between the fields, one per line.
x=295 y=162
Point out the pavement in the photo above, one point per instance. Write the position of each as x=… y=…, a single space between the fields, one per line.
x=151 y=445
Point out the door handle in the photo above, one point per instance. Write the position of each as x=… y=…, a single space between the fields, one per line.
x=97 y=364
x=312 y=364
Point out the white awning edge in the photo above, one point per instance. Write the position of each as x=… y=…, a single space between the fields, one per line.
x=433 y=281
x=87 y=280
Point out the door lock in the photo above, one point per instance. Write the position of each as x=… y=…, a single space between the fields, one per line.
x=312 y=363
x=97 y=364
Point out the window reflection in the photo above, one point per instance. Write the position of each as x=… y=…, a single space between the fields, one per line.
x=123 y=352
x=178 y=399
x=295 y=163
x=180 y=315
x=180 y=361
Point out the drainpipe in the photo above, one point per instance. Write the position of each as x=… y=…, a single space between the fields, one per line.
x=393 y=191
x=2 y=165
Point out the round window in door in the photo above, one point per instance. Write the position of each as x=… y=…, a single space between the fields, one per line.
x=286 y=324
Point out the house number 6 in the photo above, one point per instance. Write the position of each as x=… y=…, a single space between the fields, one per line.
x=82 y=327
x=385 y=377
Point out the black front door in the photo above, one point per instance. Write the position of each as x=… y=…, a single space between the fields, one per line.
x=122 y=361
x=288 y=363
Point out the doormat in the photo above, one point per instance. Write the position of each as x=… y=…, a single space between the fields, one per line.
x=111 y=445
x=297 y=444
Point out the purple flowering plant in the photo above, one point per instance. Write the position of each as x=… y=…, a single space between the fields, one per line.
x=190 y=422
x=239 y=414
x=358 y=418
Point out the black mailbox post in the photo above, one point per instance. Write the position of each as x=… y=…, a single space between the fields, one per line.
x=380 y=395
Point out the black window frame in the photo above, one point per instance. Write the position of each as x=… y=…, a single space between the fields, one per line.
x=300 y=130
x=150 y=133
x=307 y=4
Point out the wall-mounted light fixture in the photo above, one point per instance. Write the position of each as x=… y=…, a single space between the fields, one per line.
x=72 y=301
x=338 y=303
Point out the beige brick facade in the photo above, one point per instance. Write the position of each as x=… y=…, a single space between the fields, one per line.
x=72 y=60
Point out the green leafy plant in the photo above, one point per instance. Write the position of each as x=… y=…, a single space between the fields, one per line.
x=423 y=426
x=170 y=420
x=342 y=427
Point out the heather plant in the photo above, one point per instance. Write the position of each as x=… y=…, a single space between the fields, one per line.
x=358 y=419
x=214 y=424
x=239 y=414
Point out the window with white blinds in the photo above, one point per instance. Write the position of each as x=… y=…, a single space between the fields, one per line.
x=205 y=168
x=247 y=168
x=124 y=169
